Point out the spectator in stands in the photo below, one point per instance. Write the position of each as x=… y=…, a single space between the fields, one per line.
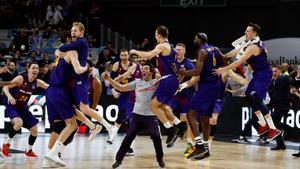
x=35 y=41
x=296 y=79
x=17 y=55
x=93 y=70
x=295 y=90
x=44 y=72
x=105 y=57
x=92 y=41
x=57 y=16
x=47 y=32
x=9 y=72
x=110 y=47
x=2 y=66
x=60 y=32
x=285 y=68
x=20 y=42
x=113 y=51
x=2 y=45
x=45 y=59
x=26 y=68
x=50 y=13
x=33 y=56
x=145 y=45
x=20 y=62
x=54 y=15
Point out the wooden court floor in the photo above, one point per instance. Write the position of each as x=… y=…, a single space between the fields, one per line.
x=98 y=154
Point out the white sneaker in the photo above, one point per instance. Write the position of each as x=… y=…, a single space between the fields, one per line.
x=50 y=164
x=113 y=131
x=55 y=158
x=95 y=132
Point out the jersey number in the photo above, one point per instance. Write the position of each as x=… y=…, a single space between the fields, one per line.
x=23 y=98
x=125 y=81
x=214 y=61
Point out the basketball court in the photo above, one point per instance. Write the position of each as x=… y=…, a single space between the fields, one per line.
x=98 y=154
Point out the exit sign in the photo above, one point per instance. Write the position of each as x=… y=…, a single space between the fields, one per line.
x=192 y=3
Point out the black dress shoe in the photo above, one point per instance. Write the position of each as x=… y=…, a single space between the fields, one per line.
x=296 y=154
x=161 y=163
x=116 y=164
x=278 y=148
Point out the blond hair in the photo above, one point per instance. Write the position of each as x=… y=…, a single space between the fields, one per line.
x=80 y=26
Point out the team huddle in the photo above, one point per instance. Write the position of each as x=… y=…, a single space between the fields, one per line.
x=145 y=93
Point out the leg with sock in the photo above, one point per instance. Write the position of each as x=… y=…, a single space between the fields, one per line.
x=205 y=129
x=95 y=129
x=261 y=110
x=258 y=107
x=6 y=144
x=182 y=126
x=190 y=142
x=113 y=131
x=93 y=114
x=56 y=128
x=31 y=140
x=158 y=109
x=200 y=150
x=71 y=126
x=17 y=124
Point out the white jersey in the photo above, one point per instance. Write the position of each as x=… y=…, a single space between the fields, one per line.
x=143 y=95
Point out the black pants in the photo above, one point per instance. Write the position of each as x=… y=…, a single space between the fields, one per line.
x=139 y=122
x=277 y=115
x=253 y=121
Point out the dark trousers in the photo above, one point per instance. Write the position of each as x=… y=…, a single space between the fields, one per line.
x=139 y=122
x=277 y=115
x=253 y=121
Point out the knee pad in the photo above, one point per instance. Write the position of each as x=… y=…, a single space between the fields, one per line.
x=58 y=127
x=257 y=104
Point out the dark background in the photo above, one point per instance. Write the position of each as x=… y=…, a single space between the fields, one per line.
x=137 y=19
